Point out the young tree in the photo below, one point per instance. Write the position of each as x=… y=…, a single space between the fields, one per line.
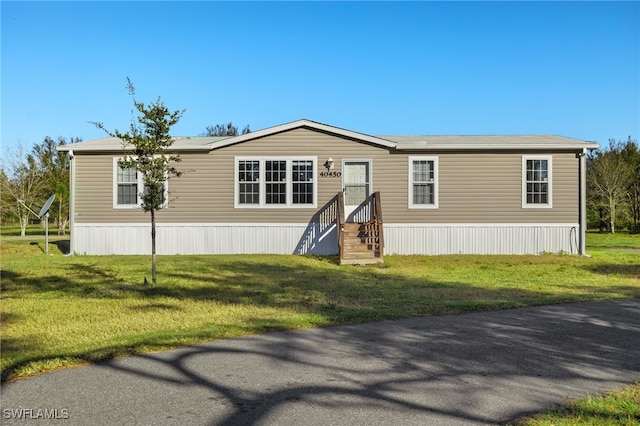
x=146 y=147
x=225 y=130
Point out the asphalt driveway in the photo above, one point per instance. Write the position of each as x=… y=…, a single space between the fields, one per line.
x=474 y=369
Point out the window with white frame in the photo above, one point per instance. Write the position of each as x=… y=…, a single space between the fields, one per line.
x=275 y=182
x=536 y=182
x=128 y=187
x=302 y=182
x=423 y=182
x=248 y=176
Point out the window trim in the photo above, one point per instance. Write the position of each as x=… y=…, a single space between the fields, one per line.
x=140 y=189
x=436 y=182
x=262 y=195
x=549 y=203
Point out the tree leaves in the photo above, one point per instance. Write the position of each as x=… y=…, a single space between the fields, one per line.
x=146 y=147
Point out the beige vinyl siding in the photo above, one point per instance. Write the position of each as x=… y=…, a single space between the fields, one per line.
x=485 y=188
x=473 y=187
x=94 y=189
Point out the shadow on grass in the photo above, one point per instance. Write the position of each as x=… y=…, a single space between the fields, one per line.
x=486 y=368
x=631 y=271
x=338 y=295
x=64 y=246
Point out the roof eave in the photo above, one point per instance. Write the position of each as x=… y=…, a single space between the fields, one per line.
x=66 y=148
x=476 y=147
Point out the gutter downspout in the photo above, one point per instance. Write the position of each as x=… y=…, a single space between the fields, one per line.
x=72 y=202
x=583 y=202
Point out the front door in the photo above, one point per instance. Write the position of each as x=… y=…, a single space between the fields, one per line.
x=356 y=182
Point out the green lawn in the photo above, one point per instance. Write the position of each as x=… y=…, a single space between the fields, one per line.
x=617 y=408
x=59 y=311
x=619 y=241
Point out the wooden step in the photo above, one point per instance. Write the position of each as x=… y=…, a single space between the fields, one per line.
x=361 y=243
x=359 y=247
x=364 y=254
x=360 y=260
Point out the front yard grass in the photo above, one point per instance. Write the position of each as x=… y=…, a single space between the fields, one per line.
x=616 y=408
x=62 y=311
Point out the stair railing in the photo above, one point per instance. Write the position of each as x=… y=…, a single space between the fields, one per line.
x=340 y=224
x=377 y=218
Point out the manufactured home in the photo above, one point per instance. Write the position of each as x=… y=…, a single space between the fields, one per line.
x=309 y=188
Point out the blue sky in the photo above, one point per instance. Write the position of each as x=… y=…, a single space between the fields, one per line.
x=567 y=68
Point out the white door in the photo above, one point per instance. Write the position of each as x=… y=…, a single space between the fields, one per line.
x=356 y=182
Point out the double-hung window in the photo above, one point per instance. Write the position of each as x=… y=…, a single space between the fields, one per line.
x=302 y=189
x=423 y=182
x=128 y=187
x=275 y=182
x=536 y=182
x=248 y=176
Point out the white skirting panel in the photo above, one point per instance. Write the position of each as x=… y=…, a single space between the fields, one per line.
x=319 y=239
x=481 y=238
x=215 y=238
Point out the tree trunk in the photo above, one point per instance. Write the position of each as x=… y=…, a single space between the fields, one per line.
x=62 y=226
x=612 y=215
x=153 y=247
x=61 y=223
x=24 y=221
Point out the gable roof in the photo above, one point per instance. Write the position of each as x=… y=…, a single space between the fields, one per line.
x=313 y=125
x=400 y=143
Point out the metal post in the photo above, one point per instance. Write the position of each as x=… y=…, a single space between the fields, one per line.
x=46 y=233
x=583 y=202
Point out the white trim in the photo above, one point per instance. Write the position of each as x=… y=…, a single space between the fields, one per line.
x=114 y=194
x=436 y=181
x=289 y=204
x=472 y=145
x=479 y=225
x=187 y=224
x=275 y=225
x=549 y=203
x=72 y=200
x=140 y=189
x=583 y=200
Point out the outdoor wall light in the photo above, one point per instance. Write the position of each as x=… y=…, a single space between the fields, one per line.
x=329 y=164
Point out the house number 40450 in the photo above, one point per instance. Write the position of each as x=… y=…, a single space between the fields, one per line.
x=331 y=174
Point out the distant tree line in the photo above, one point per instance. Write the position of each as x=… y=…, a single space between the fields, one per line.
x=613 y=187
x=225 y=130
x=30 y=178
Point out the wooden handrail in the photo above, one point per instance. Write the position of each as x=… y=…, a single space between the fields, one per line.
x=377 y=216
x=340 y=224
